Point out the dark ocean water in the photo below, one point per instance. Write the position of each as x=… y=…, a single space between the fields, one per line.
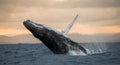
x=38 y=54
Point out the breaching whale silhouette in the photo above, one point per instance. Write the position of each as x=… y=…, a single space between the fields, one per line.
x=58 y=42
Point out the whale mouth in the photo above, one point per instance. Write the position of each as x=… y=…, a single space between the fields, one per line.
x=28 y=24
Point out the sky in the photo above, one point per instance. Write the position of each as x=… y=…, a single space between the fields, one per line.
x=95 y=16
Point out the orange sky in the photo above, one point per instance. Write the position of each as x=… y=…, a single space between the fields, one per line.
x=93 y=18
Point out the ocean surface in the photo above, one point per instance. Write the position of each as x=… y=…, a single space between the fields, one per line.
x=39 y=54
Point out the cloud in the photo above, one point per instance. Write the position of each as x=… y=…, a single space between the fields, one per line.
x=96 y=14
x=89 y=10
x=60 y=12
x=62 y=4
x=92 y=3
x=91 y=16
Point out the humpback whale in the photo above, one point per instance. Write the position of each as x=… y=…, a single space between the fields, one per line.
x=58 y=42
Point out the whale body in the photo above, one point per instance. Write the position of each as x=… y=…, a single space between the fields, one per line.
x=55 y=40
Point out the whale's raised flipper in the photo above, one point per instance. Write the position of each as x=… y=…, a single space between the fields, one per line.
x=57 y=42
x=66 y=30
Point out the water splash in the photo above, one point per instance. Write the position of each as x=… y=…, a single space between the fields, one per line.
x=91 y=48
x=72 y=52
x=96 y=48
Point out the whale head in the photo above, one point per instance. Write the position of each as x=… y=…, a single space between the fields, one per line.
x=38 y=30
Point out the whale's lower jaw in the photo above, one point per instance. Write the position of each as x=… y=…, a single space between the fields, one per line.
x=56 y=42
